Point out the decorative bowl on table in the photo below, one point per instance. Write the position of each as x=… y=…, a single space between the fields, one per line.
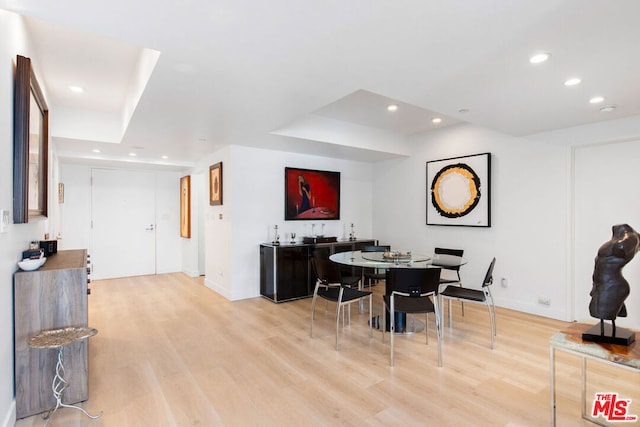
x=28 y=264
x=396 y=255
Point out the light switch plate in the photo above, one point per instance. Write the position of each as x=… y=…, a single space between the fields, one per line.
x=4 y=221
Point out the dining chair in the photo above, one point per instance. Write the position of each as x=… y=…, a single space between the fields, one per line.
x=478 y=296
x=375 y=275
x=450 y=274
x=413 y=291
x=351 y=276
x=330 y=286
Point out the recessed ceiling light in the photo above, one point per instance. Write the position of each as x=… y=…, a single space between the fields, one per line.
x=132 y=154
x=539 y=57
x=76 y=89
x=608 y=109
x=392 y=107
x=596 y=100
x=572 y=81
x=436 y=120
x=95 y=150
x=165 y=157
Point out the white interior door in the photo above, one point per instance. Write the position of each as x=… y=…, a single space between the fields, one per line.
x=604 y=196
x=123 y=223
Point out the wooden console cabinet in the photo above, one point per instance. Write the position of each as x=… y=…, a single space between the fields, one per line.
x=285 y=270
x=52 y=297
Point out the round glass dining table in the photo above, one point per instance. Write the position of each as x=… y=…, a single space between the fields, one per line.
x=386 y=260
x=379 y=260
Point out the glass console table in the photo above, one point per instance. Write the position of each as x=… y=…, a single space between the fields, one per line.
x=570 y=341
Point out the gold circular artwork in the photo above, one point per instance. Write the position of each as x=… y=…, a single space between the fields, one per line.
x=455 y=190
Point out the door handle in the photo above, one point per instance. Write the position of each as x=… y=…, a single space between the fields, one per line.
x=150 y=228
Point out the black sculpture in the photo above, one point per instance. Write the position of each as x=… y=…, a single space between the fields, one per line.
x=610 y=288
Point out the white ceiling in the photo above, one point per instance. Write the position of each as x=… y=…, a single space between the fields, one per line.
x=183 y=78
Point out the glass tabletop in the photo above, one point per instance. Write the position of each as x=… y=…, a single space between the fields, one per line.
x=378 y=260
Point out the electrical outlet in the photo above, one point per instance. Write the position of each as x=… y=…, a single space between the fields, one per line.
x=504 y=282
x=544 y=300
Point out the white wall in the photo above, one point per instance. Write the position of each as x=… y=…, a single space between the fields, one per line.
x=606 y=193
x=528 y=235
x=192 y=248
x=13 y=41
x=602 y=167
x=76 y=214
x=554 y=199
x=253 y=202
x=168 y=253
x=533 y=214
x=217 y=234
x=75 y=230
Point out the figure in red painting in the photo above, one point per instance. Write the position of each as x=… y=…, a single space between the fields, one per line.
x=305 y=193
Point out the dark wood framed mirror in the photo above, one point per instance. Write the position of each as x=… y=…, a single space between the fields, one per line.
x=30 y=146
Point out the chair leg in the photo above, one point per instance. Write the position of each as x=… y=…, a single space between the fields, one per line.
x=460 y=284
x=313 y=308
x=438 y=330
x=339 y=306
x=426 y=326
x=450 y=316
x=392 y=329
x=441 y=303
x=370 y=322
x=492 y=320
x=384 y=319
x=492 y=314
x=343 y=316
x=493 y=308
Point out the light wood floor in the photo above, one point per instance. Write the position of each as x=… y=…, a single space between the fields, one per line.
x=170 y=352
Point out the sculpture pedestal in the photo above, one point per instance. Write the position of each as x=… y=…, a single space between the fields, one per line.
x=569 y=341
x=622 y=337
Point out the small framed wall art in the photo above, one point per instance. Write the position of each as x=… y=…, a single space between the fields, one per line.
x=458 y=191
x=60 y=192
x=185 y=206
x=215 y=184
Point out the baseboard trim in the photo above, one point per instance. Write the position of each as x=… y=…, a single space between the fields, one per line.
x=10 y=418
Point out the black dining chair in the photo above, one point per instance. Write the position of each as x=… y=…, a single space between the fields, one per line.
x=374 y=275
x=351 y=276
x=331 y=287
x=450 y=274
x=413 y=291
x=478 y=296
